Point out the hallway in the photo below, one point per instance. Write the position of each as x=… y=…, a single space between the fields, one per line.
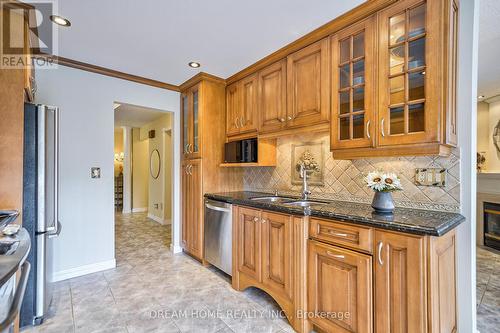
x=152 y=290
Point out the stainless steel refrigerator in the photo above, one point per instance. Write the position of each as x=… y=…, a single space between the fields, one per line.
x=40 y=206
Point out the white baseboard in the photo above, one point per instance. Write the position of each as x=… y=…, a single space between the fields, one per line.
x=139 y=210
x=175 y=248
x=84 y=270
x=126 y=211
x=159 y=219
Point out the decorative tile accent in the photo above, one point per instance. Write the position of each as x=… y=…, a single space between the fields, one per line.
x=343 y=179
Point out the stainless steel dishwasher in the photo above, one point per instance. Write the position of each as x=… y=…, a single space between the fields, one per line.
x=218 y=234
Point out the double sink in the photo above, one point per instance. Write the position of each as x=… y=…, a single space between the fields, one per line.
x=290 y=201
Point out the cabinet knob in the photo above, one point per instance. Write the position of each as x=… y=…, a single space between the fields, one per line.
x=289 y=118
x=263 y=221
x=256 y=219
x=282 y=120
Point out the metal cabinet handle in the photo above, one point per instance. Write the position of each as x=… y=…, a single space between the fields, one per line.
x=242 y=122
x=186 y=148
x=263 y=221
x=190 y=148
x=338 y=256
x=289 y=117
x=190 y=169
x=236 y=122
x=379 y=253
x=382 y=126
x=282 y=120
x=368 y=129
x=339 y=234
x=256 y=219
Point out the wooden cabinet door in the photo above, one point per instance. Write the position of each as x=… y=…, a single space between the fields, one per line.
x=277 y=252
x=248 y=112
x=185 y=124
x=196 y=215
x=249 y=242
x=232 y=109
x=400 y=283
x=340 y=289
x=409 y=73
x=308 y=88
x=353 y=86
x=185 y=204
x=195 y=121
x=272 y=97
x=191 y=122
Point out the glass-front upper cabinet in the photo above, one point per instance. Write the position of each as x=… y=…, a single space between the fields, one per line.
x=191 y=122
x=353 y=86
x=408 y=110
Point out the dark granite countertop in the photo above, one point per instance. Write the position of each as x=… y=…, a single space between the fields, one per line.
x=10 y=263
x=414 y=221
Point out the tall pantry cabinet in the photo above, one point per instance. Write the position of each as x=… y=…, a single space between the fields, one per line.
x=202 y=145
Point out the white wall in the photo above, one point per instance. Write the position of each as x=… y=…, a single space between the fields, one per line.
x=492 y=154
x=467 y=136
x=86 y=101
x=158 y=207
x=140 y=172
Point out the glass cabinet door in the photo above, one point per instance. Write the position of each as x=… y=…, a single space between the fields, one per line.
x=185 y=123
x=406 y=112
x=195 y=140
x=352 y=84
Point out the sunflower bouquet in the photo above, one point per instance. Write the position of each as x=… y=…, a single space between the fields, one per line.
x=383 y=182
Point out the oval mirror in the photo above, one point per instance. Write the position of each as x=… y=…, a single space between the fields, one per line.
x=154 y=163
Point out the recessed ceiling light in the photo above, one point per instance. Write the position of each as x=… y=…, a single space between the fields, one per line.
x=60 y=20
x=194 y=64
x=480 y=96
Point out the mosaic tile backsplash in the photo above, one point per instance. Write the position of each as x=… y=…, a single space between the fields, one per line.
x=343 y=179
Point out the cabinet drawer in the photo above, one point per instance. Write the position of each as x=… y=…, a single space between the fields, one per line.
x=331 y=231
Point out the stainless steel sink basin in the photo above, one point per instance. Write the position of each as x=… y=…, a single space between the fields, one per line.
x=305 y=203
x=270 y=199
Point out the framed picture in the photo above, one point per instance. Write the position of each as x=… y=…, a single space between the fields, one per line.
x=311 y=155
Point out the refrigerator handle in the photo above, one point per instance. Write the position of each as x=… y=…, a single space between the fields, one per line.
x=57 y=232
x=57 y=225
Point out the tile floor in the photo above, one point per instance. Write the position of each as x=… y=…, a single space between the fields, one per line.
x=488 y=290
x=152 y=290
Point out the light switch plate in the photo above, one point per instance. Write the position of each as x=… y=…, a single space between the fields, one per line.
x=95 y=172
x=430 y=177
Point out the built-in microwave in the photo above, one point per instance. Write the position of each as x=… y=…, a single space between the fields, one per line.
x=242 y=151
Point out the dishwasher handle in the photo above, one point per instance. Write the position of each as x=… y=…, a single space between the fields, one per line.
x=219 y=209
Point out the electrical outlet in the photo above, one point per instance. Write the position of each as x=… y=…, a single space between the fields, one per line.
x=430 y=177
x=95 y=172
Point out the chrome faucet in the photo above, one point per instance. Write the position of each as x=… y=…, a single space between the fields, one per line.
x=305 y=188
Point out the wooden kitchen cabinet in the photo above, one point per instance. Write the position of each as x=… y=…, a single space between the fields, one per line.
x=353 y=86
x=277 y=247
x=340 y=289
x=400 y=283
x=203 y=136
x=409 y=76
x=192 y=207
x=308 y=85
x=269 y=252
x=249 y=242
x=190 y=109
x=241 y=106
x=272 y=97
x=415 y=84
